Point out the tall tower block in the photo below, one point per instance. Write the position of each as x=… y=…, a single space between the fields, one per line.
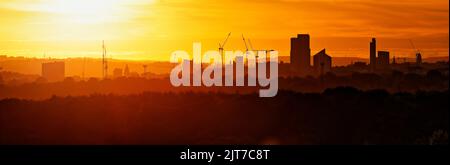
x=301 y=53
x=373 y=54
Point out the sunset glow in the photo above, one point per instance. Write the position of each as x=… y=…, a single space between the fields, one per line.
x=152 y=29
x=254 y=73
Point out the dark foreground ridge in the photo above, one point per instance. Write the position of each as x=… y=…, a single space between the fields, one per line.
x=336 y=116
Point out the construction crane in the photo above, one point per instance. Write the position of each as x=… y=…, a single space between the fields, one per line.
x=246 y=47
x=257 y=51
x=222 y=45
x=418 y=54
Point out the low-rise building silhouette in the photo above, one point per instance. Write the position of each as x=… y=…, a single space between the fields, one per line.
x=126 y=71
x=383 y=59
x=322 y=62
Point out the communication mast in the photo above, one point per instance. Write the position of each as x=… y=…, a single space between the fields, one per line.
x=104 y=62
x=418 y=54
x=84 y=68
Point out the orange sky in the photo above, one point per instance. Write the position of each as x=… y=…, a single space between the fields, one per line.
x=152 y=29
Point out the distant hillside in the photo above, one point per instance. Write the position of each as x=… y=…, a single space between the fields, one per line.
x=92 y=66
x=436 y=59
x=74 y=66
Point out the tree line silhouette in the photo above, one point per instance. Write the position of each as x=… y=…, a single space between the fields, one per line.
x=393 y=82
x=343 y=115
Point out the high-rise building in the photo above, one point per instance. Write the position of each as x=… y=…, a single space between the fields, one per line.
x=301 y=53
x=373 y=54
x=53 y=71
x=322 y=62
x=383 y=59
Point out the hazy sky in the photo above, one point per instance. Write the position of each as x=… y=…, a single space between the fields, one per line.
x=152 y=29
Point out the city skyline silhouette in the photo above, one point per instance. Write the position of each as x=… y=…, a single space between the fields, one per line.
x=132 y=72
